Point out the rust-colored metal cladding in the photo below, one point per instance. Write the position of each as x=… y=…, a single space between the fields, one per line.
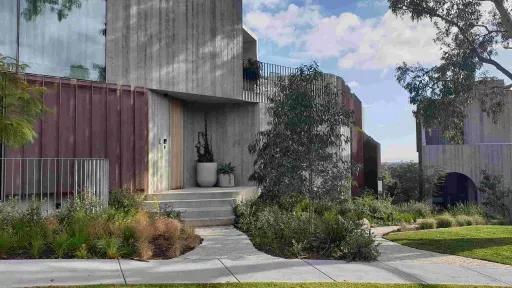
x=91 y=120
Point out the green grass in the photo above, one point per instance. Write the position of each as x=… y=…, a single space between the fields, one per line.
x=491 y=243
x=287 y=285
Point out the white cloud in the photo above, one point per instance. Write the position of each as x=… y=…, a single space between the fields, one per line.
x=376 y=43
x=259 y=4
x=353 y=84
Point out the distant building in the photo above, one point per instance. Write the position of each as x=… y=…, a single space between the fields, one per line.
x=487 y=146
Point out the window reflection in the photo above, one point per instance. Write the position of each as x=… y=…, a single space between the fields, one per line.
x=63 y=38
x=8 y=28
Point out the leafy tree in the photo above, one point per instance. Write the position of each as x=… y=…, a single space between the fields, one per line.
x=497 y=197
x=21 y=104
x=302 y=151
x=470 y=33
x=401 y=181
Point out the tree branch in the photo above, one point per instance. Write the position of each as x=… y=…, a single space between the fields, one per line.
x=506 y=18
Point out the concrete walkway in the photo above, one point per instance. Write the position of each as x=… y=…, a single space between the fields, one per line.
x=227 y=255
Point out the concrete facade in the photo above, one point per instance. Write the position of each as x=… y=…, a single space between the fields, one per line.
x=192 y=46
x=487 y=146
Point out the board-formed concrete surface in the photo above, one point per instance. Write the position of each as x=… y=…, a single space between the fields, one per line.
x=227 y=255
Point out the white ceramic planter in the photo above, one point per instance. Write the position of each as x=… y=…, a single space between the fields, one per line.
x=226 y=180
x=206 y=174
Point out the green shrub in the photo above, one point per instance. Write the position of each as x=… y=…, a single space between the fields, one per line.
x=109 y=247
x=463 y=220
x=126 y=201
x=478 y=220
x=418 y=210
x=305 y=229
x=466 y=209
x=424 y=224
x=444 y=221
x=6 y=242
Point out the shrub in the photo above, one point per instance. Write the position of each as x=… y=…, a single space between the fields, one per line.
x=417 y=209
x=124 y=200
x=424 y=224
x=305 y=230
x=466 y=209
x=463 y=220
x=109 y=247
x=84 y=229
x=478 y=220
x=444 y=221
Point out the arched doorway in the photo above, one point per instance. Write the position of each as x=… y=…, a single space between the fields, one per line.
x=455 y=188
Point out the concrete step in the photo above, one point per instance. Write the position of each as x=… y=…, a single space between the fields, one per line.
x=177 y=204
x=206 y=213
x=205 y=222
x=170 y=196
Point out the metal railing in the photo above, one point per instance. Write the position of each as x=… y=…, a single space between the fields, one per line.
x=53 y=181
x=261 y=80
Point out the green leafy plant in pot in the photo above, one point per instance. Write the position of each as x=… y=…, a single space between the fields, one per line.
x=206 y=169
x=226 y=175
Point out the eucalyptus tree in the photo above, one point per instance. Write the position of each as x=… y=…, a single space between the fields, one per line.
x=302 y=151
x=471 y=34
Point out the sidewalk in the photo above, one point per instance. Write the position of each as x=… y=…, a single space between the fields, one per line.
x=227 y=255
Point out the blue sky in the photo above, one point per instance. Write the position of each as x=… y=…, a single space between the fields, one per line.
x=359 y=40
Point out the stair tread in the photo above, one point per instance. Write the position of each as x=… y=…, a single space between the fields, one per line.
x=191 y=200
x=226 y=208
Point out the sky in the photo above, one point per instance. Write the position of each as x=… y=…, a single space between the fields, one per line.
x=359 y=40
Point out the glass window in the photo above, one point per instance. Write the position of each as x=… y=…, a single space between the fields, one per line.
x=63 y=38
x=8 y=27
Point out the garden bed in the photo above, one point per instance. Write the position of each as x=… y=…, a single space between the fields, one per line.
x=86 y=230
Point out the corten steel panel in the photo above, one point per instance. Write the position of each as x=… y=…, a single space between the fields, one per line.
x=127 y=137
x=358 y=157
x=92 y=120
x=141 y=138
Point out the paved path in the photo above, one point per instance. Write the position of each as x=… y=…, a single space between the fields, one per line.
x=227 y=255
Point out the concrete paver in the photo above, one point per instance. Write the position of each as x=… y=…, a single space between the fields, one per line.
x=175 y=271
x=27 y=273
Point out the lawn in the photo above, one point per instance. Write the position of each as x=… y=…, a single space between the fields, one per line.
x=286 y=285
x=491 y=243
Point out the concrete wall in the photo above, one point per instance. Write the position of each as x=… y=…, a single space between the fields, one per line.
x=232 y=127
x=479 y=128
x=192 y=46
x=470 y=160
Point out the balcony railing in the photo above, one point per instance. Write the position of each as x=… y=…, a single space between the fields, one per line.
x=261 y=79
x=53 y=181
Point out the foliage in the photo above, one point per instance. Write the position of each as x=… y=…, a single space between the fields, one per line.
x=445 y=221
x=470 y=36
x=252 y=70
x=497 y=197
x=226 y=169
x=425 y=224
x=22 y=103
x=62 y=8
x=84 y=229
x=302 y=151
x=203 y=149
x=466 y=209
x=401 y=181
x=125 y=200
x=305 y=229
x=491 y=243
x=463 y=220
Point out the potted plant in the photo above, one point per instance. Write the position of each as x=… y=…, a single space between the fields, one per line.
x=252 y=70
x=226 y=176
x=206 y=169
